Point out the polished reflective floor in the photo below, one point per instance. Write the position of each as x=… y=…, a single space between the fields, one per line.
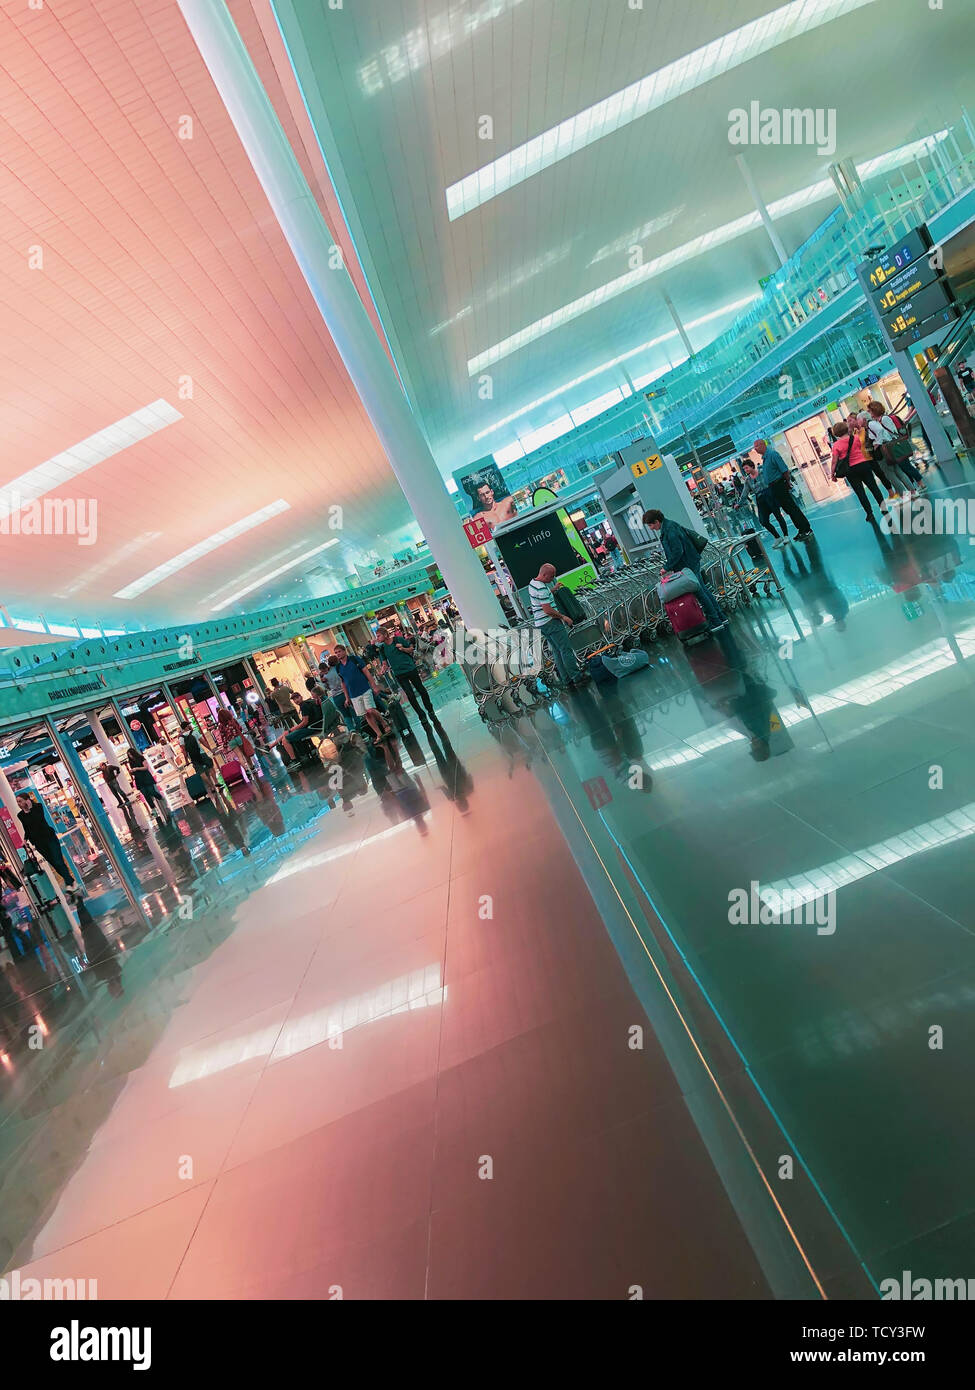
x=514 y=1025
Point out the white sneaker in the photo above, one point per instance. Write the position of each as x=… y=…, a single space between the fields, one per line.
x=778 y=544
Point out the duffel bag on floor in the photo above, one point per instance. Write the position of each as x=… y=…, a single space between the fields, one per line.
x=625 y=663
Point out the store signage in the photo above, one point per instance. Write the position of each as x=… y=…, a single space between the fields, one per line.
x=658 y=391
x=477 y=530
x=16 y=839
x=918 y=308
x=913 y=247
x=64 y=692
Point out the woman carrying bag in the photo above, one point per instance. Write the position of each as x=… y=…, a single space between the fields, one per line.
x=852 y=463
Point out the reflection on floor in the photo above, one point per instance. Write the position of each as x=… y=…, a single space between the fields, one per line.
x=403 y=1047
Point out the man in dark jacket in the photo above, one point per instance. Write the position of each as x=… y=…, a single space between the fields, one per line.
x=681 y=553
x=38 y=831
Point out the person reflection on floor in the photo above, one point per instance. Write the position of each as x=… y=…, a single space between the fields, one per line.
x=614 y=736
x=457 y=782
x=100 y=953
x=732 y=684
x=818 y=593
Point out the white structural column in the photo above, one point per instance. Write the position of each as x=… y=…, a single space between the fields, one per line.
x=762 y=210
x=678 y=325
x=320 y=262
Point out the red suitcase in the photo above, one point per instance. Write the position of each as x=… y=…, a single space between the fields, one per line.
x=686 y=617
x=232 y=772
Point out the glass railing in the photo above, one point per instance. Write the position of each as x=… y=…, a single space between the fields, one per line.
x=893 y=199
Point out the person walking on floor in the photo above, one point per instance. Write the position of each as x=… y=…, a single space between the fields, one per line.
x=141 y=775
x=553 y=625
x=361 y=690
x=397 y=649
x=851 y=463
x=38 y=831
x=681 y=553
x=199 y=759
x=774 y=478
x=752 y=489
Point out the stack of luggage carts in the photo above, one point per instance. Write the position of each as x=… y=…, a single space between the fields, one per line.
x=614 y=614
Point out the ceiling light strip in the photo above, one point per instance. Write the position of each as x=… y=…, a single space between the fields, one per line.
x=273 y=574
x=697 y=247
x=648 y=94
x=613 y=361
x=69 y=464
x=205 y=547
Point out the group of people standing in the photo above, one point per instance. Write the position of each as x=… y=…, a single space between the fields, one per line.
x=872 y=452
x=356 y=688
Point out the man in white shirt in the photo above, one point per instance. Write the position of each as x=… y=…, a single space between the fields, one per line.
x=553 y=625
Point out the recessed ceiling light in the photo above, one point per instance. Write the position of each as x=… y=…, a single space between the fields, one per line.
x=196 y=552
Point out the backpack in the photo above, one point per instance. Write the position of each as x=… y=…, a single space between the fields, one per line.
x=698 y=541
x=567 y=603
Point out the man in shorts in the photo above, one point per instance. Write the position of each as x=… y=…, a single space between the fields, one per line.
x=361 y=691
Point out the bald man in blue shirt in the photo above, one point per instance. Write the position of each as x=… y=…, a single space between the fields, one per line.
x=774 y=478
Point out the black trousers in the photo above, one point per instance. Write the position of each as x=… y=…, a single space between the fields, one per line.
x=410 y=682
x=781 y=501
x=861 y=478
x=51 y=850
x=766 y=510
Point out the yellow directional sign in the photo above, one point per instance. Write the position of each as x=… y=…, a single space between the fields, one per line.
x=638 y=469
x=654 y=461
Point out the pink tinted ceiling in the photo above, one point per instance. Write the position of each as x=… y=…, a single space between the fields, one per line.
x=137 y=265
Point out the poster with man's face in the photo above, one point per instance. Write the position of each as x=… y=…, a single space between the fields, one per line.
x=490 y=496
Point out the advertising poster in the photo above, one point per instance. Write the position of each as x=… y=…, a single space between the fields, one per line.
x=490 y=497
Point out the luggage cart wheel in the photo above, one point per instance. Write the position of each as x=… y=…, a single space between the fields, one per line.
x=665 y=628
x=648 y=635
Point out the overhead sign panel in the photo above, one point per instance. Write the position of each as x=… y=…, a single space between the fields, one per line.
x=915 y=310
x=911 y=248
x=908 y=283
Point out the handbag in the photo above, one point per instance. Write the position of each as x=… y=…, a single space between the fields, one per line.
x=899 y=448
x=698 y=541
x=843 y=465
